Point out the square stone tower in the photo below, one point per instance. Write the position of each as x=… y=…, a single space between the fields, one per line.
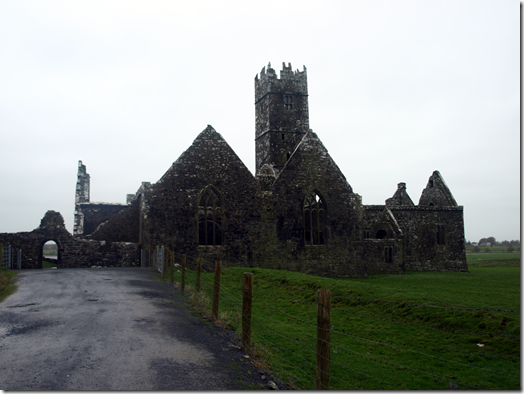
x=282 y=115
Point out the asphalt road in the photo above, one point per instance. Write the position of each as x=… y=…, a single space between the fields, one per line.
x=113 y=329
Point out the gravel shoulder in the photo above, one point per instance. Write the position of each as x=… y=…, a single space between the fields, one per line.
x=114 y=329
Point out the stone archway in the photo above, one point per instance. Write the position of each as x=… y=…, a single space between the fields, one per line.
x=51 y=227
x=51 y=254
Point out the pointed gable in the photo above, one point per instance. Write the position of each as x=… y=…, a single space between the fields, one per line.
x=437 y=193
x=400 y=197
x=210 y=159
x=311 y=160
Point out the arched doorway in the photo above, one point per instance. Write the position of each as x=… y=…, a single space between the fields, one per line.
x=50 y=255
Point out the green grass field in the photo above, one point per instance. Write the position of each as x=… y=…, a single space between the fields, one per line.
x=421 y=330
x=48 y=264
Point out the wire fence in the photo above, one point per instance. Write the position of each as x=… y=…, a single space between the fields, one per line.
x=314 y=340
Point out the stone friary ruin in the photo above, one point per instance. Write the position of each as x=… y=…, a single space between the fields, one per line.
x=297 y=213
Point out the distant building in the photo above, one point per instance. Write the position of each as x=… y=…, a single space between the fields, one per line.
x=297 y=213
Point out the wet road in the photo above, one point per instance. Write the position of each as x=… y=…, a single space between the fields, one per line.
x=112 y=329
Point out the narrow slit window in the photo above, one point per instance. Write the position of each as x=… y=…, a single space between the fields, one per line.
x=388 y=254
x=441 y=239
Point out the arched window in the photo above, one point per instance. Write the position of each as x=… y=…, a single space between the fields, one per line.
x=210 y=217
x=314 y=219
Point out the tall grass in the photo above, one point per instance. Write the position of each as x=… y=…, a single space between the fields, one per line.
x=421 y=330
x=7 y=283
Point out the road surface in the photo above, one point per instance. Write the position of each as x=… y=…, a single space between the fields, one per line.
x=113 y=329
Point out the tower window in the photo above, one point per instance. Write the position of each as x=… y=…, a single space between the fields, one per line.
x=283 y=137
x=314 y=219
x=288 y=102
x=210 y=217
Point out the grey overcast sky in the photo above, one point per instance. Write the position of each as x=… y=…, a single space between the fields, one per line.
x=397 y=89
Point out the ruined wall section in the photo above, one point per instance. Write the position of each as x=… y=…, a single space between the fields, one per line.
x=73 y=252
x=122 y=226
x=81 y=196
x=282 y=115
x=424 y=249
x=51 y=228
x=401 y=197
x=171 y=206
x=95 y=215
x=311 y=169
x=437 y=193
x=383 y=241
x=87 y=253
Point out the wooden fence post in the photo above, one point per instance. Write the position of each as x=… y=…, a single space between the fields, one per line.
x=247 y=303
x=164 y=263
x=199 y=274
x=183 y=276
x=323 y=339
x=172 y=267
x=197 y=284
x=216 y=292
x=154 y=258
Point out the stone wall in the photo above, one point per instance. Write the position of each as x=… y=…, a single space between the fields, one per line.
x=170 y=209
x=73 y=252
x=311 y=171
x=87 y=253
x=96 y=215
x=423 y=250
x=123 y=226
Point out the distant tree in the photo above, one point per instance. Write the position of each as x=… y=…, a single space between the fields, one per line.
x=510 y=249
x=487 y=250
x=491 y=240
x=468 y=243
x=483 y=241
x=505 y=243
x=514 y=242
x=476 y=249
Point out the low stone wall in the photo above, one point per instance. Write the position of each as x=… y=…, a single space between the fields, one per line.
x=86 y=253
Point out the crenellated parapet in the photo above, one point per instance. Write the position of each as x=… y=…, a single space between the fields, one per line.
x=291 y=82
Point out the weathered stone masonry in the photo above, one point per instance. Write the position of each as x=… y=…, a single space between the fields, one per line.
x=297 y=213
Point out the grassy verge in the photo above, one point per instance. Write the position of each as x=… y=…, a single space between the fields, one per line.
x=48 y=264
x=7 y=283
x=421 y=330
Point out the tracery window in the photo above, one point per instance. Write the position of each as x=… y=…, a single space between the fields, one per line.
x=210 y=217
x=314 y=219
